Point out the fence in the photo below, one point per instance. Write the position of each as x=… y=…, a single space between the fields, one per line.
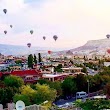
x=35 y=107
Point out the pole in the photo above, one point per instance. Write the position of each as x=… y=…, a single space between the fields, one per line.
x=88 y=87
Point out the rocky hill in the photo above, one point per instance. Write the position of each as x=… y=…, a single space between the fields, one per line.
x=93 y=46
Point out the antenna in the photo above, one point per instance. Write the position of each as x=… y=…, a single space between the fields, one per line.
x=20 y=105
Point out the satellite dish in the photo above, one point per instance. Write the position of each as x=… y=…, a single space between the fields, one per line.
x=20 y=105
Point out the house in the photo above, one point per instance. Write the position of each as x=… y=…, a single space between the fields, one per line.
x=15 y=67
x=106 y=64
x=3 y=66
x=29 y=76
x=55 y=77
x=72 y=69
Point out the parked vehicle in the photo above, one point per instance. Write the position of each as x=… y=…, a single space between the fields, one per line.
x=80 y=95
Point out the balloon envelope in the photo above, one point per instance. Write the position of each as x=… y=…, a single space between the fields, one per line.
x=31 y=31
x=108 y=36
x=108 y=50
x=55 y=37
x=49 y=52
x=5 y=32
x=29 y=45
x=11 y=26
x=44 y=37
x=5 y=11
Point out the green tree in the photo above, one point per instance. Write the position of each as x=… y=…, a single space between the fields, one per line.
x=44 y=92
x=69 y=86
x=97 y=104
x=6 y=95
x=18 y=61
x=30 y=61
x=84 y=69
x=13 y=81
x=107 y=89
x=27 y=90
x=81 y=82
x=58 y=68
x=22 y=97
x=39 y=57
x=35 y=59
x=57 y=86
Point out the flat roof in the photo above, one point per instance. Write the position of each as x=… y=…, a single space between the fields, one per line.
x=53 y=75
x=71 y=68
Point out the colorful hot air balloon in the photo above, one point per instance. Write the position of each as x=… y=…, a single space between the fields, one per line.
x=5 y=11
x=55 y=37
x=31 y=31
x=5 y=32
x=108 y=36
x=44 y=37
x=108 y=50
x=29 y=45
x=11 y=26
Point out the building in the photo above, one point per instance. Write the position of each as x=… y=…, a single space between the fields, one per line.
x=55 y=77
x=72 y=69
x=29 y=76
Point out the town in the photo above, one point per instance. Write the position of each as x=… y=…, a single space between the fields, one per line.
x=66 y=75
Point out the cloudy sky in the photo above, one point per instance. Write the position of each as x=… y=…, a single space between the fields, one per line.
x=73 y=21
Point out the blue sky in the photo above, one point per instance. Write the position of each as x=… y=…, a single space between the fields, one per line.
x=73 y=21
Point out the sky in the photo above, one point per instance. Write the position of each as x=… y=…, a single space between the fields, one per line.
x=73 y=21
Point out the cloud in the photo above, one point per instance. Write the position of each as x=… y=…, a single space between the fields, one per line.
x=74 y=21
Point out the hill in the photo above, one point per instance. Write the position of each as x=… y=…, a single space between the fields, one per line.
x=93 y=46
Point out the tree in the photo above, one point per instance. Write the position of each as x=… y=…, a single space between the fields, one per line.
x=39 y=57
x=22 y=97
x=81 y=82
x=35 y=59
x=69 y=86
x=6 y=95
x=97 y=104
x=13 y=81
x=44 y=92
x=107 y=88
x=18 y=61
x=30 y=61
x=84 y=69
x=58 y=68
x=27 y=90
x=57 y=86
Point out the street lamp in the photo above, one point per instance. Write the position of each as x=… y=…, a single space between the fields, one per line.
x=88 y=87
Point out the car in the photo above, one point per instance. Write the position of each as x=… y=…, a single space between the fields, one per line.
x=80 y=95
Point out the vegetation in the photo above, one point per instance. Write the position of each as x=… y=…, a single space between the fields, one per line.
x=39 y=57
x=97 y=104
x=35 y=59
x=30 y=61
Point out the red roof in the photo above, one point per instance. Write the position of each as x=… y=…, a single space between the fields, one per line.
x=0 y=74
x=25 y=73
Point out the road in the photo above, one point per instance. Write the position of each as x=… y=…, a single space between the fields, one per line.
x=62 y=101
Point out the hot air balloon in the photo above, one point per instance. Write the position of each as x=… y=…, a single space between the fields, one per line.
x=11 y=26
x=108 y=50
x=108 y=36
x=55 y=37
x=44 y=37
x=31 y=31
x=29 y=45
x=49 y=52
x=5 y=11
x=5 y=32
